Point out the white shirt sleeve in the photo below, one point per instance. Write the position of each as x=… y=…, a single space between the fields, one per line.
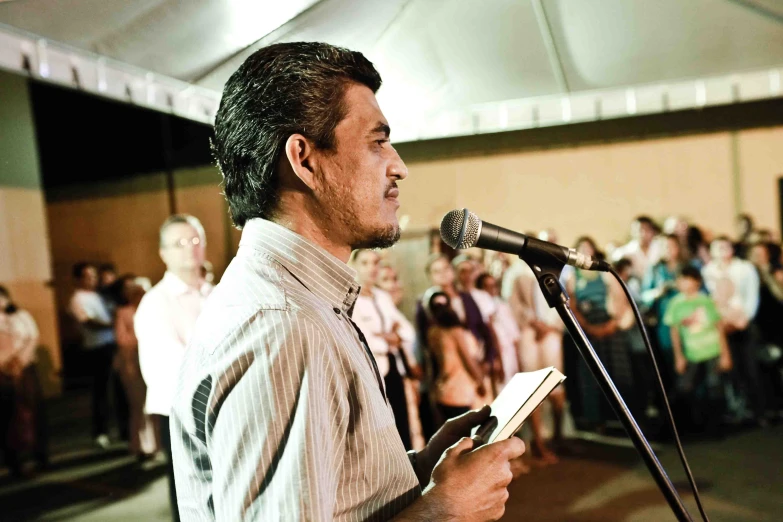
x=160 y=353
x=79 y=308
x=749 y=291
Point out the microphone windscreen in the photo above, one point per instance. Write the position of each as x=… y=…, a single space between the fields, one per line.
x=460 y=229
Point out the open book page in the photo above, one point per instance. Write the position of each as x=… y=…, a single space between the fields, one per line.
x=521 y=396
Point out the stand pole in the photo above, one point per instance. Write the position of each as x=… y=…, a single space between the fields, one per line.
x=556 y=296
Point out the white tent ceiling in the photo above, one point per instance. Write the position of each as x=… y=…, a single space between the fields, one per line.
x=434 y=55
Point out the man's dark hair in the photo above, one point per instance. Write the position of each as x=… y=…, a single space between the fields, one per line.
x=622 y=264
x=107 y=267
x=691 y=272
x=11 y=308
x=79 y=268
x=441 y=312
x=645 y=220
x=280 y=90
x=481 y=280
x=747 y=218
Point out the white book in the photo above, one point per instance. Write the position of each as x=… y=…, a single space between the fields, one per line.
x=522 y=395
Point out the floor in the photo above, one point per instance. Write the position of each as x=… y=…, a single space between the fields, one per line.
x=601 y=480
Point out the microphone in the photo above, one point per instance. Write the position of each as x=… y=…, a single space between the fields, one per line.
x=462 y=229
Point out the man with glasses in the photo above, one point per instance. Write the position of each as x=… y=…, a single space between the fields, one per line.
x=165 y=319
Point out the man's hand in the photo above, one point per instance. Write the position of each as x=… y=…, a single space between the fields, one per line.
x=448 y=435
x=725 y=363
x=485 y=473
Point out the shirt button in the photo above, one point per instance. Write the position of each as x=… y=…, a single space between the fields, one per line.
x=336 y=310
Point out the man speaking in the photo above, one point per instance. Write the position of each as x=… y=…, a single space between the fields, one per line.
x=281 y=413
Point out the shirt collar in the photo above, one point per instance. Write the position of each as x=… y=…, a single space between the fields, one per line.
x=176 y=286
x=318 y=270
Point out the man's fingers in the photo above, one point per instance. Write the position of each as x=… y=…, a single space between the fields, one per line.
x=510 y=448
x=464 y=445
x=467 y=421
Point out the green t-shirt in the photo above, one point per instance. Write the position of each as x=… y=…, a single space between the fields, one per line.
x=696 y=318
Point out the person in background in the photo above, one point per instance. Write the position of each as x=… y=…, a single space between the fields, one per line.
x=467 y=269
x=165 y=319
x=733 y=284
x=701 y=353
x=658 y=289
x=389 y=337
x=107 y=275
x=128 y=294
x=22 y=414
x=745 y=229
x=474 y=317
x=97 y=328
x=540 y=346
x=643 y=250
x=208 y=272
x=698 y=250
x=628 y=332
x=596 y=300
x=389 y=282
x=677 y=226
x=768 y=323
x=460 y=379
x=506 y=329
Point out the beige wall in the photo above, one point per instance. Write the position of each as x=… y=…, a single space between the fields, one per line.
x=597 y=189
x=118 y=222
x=25 y=264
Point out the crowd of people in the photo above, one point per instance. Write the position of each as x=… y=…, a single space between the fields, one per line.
x=712 y=308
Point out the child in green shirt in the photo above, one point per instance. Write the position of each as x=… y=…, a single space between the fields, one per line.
x=701 y=353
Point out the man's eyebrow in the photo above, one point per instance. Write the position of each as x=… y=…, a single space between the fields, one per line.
x=381 y=128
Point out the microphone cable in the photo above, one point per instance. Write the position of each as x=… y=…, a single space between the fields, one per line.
x=650 y=351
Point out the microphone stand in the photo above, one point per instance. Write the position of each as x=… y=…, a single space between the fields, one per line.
x=547 y=271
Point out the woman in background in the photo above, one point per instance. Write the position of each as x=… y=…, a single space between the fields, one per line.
x=128 y=294
x=22 y=415
x=460 y=380
x=595 y=296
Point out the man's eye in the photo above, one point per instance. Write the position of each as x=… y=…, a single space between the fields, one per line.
x=381 y=142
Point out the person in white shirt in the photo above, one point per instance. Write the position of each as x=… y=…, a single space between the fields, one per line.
x=644 y=249
x=165 y=319
x=20 y=388
x=389 y=336
x=98 y=342
x=540 y=345
x=734 y=285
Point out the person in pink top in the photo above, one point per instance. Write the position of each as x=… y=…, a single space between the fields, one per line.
x=128 y=294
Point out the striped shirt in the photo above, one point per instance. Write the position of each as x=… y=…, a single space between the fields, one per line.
x=280 y=412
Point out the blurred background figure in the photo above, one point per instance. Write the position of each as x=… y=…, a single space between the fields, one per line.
x=208 y=272
x=389 y=336
x=540 y=346
x=594 y=299
x=128 y=294
x=459 y=381
x=165 y=319
x=23 y=424
x=734 y=285
x=389 y=282
x=744 y=228
x=643 y=250
x=98 y=343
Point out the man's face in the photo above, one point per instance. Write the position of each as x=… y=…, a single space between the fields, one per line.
x=491 y=286
x=441 y=273
x=182 y=248
x=722 y=250
x=643 y=232
x=387 y=279
x=672 y=249
x=366 y=266
x=357 y=193
x=466 y=272
x=108 y=277
x=687 y=285
x=759 y=256
x=90 y=278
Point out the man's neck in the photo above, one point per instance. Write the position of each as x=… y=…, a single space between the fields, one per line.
x=305 y=227
x=189 y=277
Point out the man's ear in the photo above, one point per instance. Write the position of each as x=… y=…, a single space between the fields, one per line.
x=299 y=152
